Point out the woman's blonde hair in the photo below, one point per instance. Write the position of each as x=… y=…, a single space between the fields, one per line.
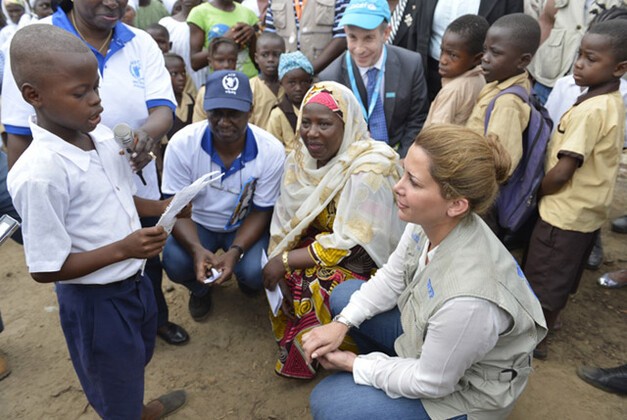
x=465 y=164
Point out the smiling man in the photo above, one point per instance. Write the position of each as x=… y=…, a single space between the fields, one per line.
x=232 y=213
x=388 y=81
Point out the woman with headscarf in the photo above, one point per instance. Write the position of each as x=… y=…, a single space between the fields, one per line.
x=13 y=11
x=335 y=218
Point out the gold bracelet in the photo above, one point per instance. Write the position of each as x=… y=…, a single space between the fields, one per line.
x=286 y=263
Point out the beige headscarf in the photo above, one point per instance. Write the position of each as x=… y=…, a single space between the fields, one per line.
x=363 y=173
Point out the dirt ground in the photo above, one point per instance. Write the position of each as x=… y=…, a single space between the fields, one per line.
x=227 y=367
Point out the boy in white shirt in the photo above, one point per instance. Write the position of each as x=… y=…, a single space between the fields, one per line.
x=74 y=192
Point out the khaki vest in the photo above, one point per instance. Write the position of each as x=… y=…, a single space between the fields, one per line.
x=471 y=262
x=316 y=25
x=557 y=54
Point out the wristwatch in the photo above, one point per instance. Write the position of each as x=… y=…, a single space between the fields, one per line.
x=239 y=249
x=343 y=320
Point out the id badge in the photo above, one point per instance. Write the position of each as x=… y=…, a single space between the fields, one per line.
x=243 y=206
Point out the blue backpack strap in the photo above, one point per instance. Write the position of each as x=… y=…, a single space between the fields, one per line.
x=517 y=90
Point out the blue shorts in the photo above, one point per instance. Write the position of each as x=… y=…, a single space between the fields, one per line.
x=110 y=332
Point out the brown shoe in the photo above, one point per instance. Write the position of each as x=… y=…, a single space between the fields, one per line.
x=5 y=370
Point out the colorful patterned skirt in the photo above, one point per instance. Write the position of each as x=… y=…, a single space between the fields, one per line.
x=310 y=290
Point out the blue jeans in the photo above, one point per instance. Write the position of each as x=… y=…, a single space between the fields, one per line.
x=339 y=397
x=542 y=92
x=179 y=264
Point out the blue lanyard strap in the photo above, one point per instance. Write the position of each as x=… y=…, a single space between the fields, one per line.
x=377 y=87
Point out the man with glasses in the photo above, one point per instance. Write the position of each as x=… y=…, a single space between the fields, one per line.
x=232 y=213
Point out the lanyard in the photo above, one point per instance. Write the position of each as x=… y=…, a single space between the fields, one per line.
x=377 y=87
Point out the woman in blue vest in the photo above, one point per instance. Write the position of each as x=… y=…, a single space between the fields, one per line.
x=447 y=326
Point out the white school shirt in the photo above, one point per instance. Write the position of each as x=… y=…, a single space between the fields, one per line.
x=133 y=80
x=73 y=201
x=190 y=155
x=460 y=333
x=446 y=11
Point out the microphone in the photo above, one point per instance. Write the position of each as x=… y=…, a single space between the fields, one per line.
x=123 y=135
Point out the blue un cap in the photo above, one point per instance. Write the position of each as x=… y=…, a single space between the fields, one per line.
x=366 y=14
x=228 y=89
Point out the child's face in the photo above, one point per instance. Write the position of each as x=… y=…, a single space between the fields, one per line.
x=43 y=8
x=455 y=59
x=162 y=39
x=502 y=58
x=596 y=64
x=178 y=75
x=296 y=83
x=267 y=56
x=67 y=99
x=15 y=12
x=223 y=58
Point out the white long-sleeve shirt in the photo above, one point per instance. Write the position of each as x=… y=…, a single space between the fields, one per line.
x=458 y=335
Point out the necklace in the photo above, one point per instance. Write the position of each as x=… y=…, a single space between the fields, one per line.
x=104 y=44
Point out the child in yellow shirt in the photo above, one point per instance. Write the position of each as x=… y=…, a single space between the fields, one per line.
x=267 y=90
x=581 y=168
x=462 y=77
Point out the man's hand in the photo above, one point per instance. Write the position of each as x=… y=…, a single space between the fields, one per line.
x=204 y=260
x=225 y=263
x=142 y=151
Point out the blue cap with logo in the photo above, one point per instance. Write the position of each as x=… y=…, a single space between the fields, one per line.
x=366 y=14
x=228 y=89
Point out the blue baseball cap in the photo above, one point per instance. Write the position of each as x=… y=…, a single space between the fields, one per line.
x=366 y=14
x=228 y=89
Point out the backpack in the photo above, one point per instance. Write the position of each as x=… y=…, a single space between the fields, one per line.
x=517 y=198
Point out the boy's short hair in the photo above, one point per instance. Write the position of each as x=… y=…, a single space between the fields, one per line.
x=524 y=31
x=217 y=41
x=473 y=29
x=270 y=36
x=615 y=31
x=157 y=27
x=172 y=56
x=35 y=51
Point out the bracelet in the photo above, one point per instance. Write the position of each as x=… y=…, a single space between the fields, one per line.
x=286 y=263
x=239 y=249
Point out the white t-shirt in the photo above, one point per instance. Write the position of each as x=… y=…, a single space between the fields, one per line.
x=190 y=155
x=133 y=80
x=446 y=11
x=73 y=201
x=179 y=37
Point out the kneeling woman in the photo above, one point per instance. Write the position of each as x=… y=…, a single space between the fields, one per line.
x=334 y=220
x=449 y=323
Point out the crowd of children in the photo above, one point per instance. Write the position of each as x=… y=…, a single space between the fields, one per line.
x=477 y=63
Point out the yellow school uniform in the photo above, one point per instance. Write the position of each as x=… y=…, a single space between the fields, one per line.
x=263 y=102
x=280 y=127
x=592 y=131
x=509 y=118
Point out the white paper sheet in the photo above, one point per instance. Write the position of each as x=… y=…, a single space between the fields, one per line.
x=275 y=297
x=183 y=198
